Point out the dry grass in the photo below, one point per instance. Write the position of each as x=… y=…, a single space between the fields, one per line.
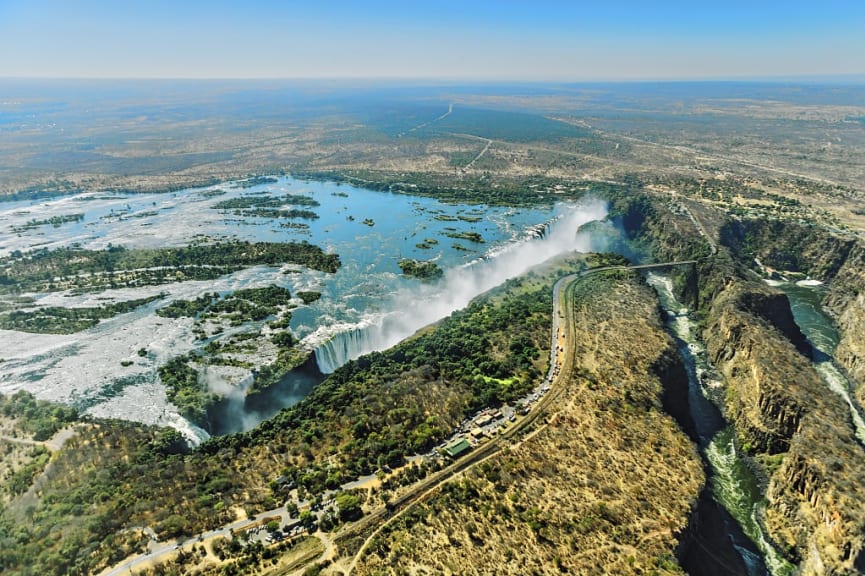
x=604 y=487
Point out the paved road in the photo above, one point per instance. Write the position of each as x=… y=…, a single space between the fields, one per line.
x=54 y=443
x=562 y=319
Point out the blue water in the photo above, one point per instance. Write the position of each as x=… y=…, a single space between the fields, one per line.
x=367 y=288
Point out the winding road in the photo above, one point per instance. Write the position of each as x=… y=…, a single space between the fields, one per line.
x=561 y=361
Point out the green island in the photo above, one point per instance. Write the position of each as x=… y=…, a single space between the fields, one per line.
x=309 y=296
x=470 y=236
x=263 y=201
x=59 y=320
x=38 y=418
x=266 y=206
x=302 y=226
x=427 y=244
x=244 y=305
x=55 y=221
x=256 y=181
x=212 y=193
x=425 y=270
x=294 y=213
x=94 y=270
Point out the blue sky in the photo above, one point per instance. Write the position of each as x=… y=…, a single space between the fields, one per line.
x=444 y=39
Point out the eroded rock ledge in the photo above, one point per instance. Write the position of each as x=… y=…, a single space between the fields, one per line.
x=799 y=432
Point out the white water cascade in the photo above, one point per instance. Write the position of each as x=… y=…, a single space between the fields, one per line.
x=413 y=309
x=734 y=486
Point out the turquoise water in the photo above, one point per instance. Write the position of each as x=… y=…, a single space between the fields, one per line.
x=806 y=304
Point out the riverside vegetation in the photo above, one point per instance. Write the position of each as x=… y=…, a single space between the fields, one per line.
x=726 y=175
x=112 y=477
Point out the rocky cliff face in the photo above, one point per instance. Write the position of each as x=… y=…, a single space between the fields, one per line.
x=846 y=301
x=786 y=246
x=780 y=406
x=815 y=498
x=797 y=429
x=761 y=368
x=822 y=255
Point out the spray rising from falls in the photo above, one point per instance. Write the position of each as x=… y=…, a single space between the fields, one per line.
x=414 y=309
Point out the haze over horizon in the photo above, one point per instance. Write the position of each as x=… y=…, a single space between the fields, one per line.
x=545 y=40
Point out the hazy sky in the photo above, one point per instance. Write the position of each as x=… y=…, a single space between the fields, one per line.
x=470 y=39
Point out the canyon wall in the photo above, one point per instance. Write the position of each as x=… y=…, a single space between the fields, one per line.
x=798 y=431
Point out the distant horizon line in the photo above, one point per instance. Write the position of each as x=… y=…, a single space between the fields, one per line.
x=804 y=78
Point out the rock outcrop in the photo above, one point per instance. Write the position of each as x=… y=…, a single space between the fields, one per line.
x=761 y=368
x=798 y=431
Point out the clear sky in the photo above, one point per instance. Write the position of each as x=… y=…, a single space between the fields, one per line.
x=443 y=39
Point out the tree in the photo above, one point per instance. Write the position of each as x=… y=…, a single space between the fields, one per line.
x=307 y=518
x=349 y=506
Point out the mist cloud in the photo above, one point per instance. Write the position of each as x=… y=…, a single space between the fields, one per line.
x=415 y=308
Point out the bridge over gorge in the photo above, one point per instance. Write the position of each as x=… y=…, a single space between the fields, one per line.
x=693 y=274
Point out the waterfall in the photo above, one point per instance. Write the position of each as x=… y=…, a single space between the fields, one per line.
x=346 y=345
x=424 y=304
x=539 y=231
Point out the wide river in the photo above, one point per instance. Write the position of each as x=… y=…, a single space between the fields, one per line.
x=371 y=231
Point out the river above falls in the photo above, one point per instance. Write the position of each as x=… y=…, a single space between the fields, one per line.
x=98 y=369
